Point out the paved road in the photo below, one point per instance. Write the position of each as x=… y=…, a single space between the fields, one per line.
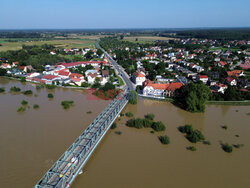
x=120 y=70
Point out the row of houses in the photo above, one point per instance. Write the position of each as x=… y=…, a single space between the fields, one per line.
x=60 y=74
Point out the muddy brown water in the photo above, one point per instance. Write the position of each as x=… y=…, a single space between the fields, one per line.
x=31 y=142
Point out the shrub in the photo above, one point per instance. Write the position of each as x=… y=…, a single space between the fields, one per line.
x=113 y=126
x=50 y=86
x=50 y=96
x=158 y=126
x=150 y=116
x=121 y=114
x=238 y=145
x=15 y=89
x=2 y=89
x=118 y=132
x=23 y=79
x=206 y=142
x=224 y=127
x=36 y=106
x=152 y=132
x=24 y=102
x=89 y=112
x=67 y=104
x=21 y=109
x=85 y=84
x=192 y=135
x=129 y=114
x=40 y=86
x=195 y=136
x=164 y=139
x=28 y=92
x=147 y=123
x=137 y=123
x=227 y=148
x=191 y=148
x=186 y=129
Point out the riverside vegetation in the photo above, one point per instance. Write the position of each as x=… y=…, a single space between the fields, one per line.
x=2 y=90
x=67 y=104
x=147 y=122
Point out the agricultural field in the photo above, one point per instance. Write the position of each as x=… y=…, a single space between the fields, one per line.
x=145 y=39
x=64 y=43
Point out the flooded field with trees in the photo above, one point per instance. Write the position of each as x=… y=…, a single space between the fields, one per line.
x=137 y=158
x=32 y=140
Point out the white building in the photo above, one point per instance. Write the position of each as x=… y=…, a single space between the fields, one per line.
x=138 y=78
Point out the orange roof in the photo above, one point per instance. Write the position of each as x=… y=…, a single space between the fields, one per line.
x=202 y=76
x=76 y=75
x=234 y=73
x=170 y=87
x=139 y=74
x=222 y=63
x=75 y=79
x=5 y=64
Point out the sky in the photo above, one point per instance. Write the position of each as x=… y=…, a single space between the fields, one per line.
x=100 y=14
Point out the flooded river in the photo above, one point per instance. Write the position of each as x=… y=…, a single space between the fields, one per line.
x=32 y=141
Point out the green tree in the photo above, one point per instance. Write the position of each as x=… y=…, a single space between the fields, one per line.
x=132 y=97
x=193 y=97
x=158 y=126
x=3 y=72
x=164 y=139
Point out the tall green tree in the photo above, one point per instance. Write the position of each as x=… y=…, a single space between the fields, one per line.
x=193 y=97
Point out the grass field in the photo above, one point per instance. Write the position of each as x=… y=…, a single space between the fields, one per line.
x=64 y=43
x=145 y=39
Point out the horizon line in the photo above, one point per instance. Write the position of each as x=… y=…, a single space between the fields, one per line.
x=135 y=28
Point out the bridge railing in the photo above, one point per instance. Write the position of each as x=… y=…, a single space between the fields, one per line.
x=64 y=169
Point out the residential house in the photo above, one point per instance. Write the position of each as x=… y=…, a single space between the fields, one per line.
x=231 y=81
x=15 y=72
x=160 y=90
x=203 y=78
x=138 y=78
x=245 y=65
x=105 y=73
x=218 y=88
x=91 y=77
x=14 y=64
x=221 y=63
x=236 y=73
x=182 y=79
x=49 y=79
x=5 y=66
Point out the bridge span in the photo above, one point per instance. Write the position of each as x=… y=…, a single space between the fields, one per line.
x=68 y=166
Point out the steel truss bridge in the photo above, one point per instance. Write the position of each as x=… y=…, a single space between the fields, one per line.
x=68 y=166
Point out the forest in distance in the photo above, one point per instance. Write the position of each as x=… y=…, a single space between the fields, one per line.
x=212 y=33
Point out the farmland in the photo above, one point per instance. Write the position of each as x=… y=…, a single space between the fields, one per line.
x=57 y=42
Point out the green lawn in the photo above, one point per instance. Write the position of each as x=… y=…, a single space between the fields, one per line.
x=121 y=83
